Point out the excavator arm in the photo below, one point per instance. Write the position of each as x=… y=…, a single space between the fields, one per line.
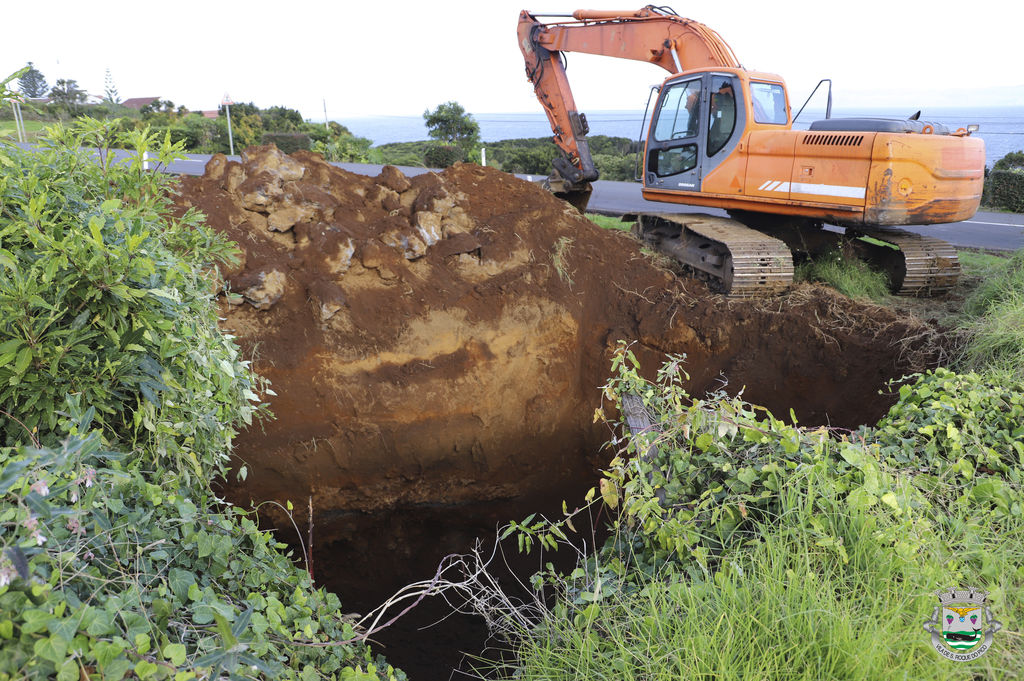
x=653 y=34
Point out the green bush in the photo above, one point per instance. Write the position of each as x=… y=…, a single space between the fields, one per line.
x=288 y=142
x=1005 y=189
x=532 y=161
x=443 y=155
x=346 y=148
x=120 y=399
x=617 y=168
x=1013 y=160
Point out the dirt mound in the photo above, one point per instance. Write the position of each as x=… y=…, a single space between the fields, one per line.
x=441 y=338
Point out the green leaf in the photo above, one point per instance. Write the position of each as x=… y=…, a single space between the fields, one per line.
x=34 y=621
x=145 y=669
x=96 y=229
x=106 y=652
x=64 y=628
x=180 y=581
x=747 y=476
x=175 y=653
x=224 y=629
x=52 y=648
x=68 y=671
x=23 y=360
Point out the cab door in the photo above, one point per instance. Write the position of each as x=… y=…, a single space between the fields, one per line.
x=697 y=123
x=674 y=142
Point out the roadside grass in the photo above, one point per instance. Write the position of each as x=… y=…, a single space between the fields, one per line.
x=982 y=264
x=32 y=129
x=992 y=320
x=608 y=222
x=847 y=274
x=790 y=609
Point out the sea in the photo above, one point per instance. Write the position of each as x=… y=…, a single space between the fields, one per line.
x=1002 y=128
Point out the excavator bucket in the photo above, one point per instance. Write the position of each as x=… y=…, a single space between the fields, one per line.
x=576 y=194
x=579 y=198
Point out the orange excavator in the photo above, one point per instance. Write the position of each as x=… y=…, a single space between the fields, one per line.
x=722 y=136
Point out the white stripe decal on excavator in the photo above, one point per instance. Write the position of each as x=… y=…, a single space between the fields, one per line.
x=816 y=189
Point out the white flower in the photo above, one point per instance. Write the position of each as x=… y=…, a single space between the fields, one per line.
x=7 y=574
x=40 y=487
x=40 y=539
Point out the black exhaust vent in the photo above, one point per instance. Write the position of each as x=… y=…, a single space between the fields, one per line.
x=834 y=140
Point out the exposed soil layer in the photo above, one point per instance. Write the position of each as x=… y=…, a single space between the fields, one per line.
x=442 y=338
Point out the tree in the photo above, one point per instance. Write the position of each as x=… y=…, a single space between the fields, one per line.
x=282 y=119
x=66 y=95
x=1013 y=160
x=32 y=83
x=450 y=124
x=110 y=93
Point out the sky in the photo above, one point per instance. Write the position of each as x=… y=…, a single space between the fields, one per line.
x=404 y=57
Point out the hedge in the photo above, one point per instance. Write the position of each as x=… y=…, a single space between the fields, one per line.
x=1005 y=189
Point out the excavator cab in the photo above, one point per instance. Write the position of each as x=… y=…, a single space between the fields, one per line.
x=698 y=121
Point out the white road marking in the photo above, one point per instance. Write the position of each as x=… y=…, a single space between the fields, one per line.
x=1000 y=224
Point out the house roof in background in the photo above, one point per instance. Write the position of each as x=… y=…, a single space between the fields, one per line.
x=138 y=102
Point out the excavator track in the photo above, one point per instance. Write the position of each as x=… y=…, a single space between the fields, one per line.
x=923 y=265
x=746 y=262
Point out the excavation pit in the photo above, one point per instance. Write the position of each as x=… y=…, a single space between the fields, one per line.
x=437 y=346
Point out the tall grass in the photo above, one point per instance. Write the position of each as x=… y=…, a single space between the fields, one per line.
x=994 y=321
x=790 y=609
x=608 y=222
x=847 y=274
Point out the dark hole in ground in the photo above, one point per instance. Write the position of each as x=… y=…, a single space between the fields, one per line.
x=369 y=557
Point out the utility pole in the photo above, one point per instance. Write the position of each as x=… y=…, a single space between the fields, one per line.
x=227 y=109
x=19 y=123
x=325 y=115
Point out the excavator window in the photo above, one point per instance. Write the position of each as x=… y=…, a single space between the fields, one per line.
x=769 y=101
x=723 y=114
x=679 y=113
x=676 y=160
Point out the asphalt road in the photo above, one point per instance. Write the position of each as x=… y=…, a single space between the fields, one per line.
x=995 y=231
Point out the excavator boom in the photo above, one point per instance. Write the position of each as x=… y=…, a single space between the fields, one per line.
x=650 y=35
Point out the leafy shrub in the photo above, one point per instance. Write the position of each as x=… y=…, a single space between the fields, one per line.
x=616 y=168
x=120 y=401
x=1015 y=159
x=344 y=148
x=535 y=161
x=1005 y=189
x=443 y=155
x=287 y=142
